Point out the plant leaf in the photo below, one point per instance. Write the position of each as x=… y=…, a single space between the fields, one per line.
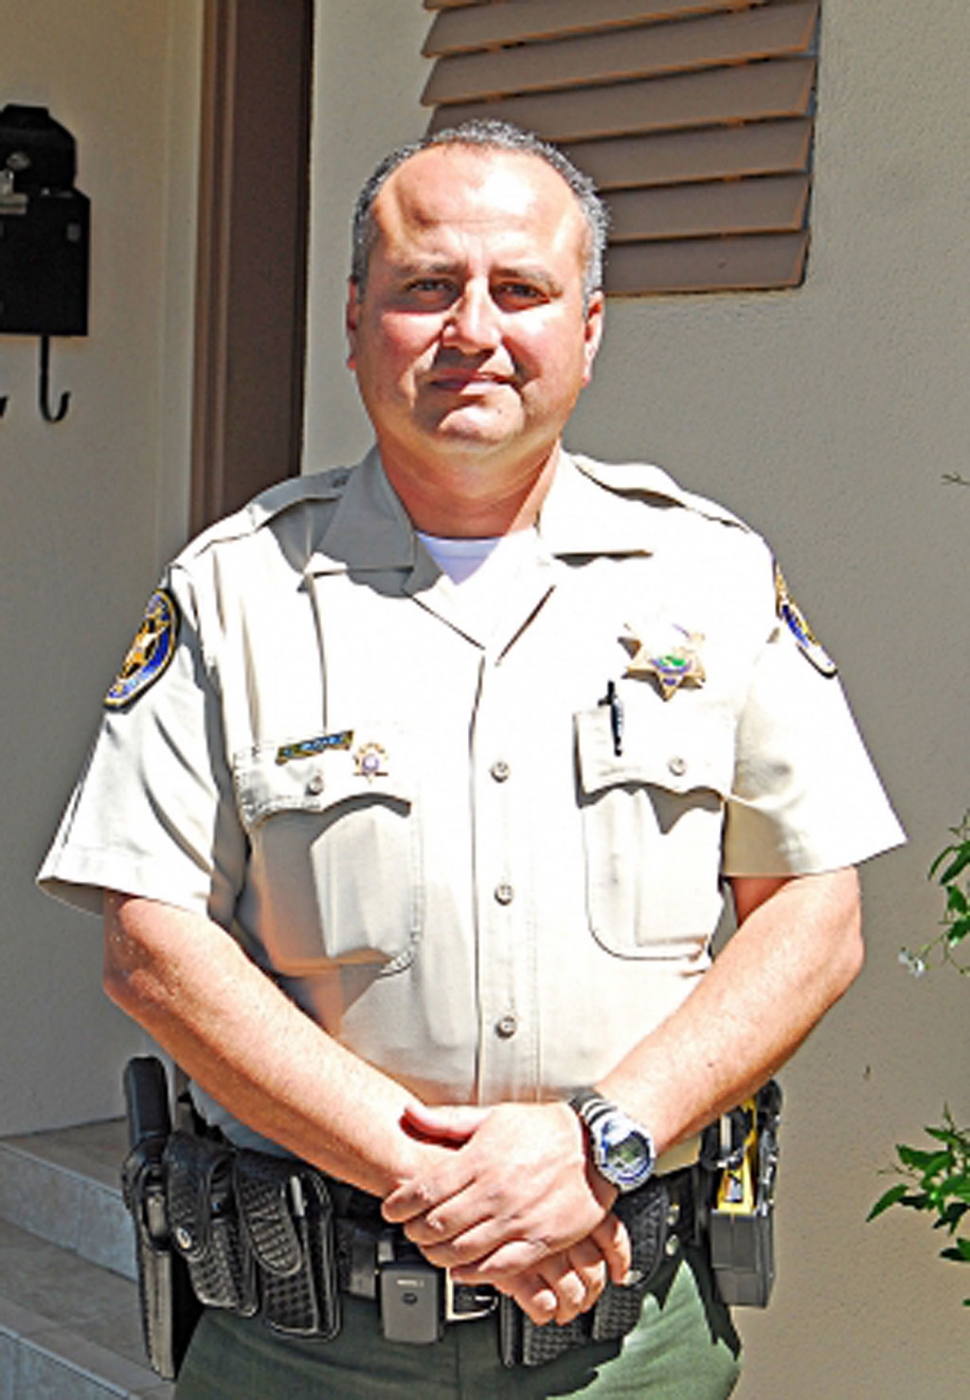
x=887 y=1199
x=946 y=851
x=957 y=865
x=927 y=1162
x=956 y=900
x=951 y=1136
x=957 y=1185
x=957 y=931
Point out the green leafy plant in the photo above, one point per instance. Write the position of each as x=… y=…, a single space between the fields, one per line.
x=951 y=869
x=937 y=1180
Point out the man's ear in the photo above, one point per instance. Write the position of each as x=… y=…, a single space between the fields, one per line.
x=351 y=318
x=593 y=331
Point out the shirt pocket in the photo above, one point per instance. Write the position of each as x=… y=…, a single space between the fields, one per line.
x=652 y=818
x=335 y=862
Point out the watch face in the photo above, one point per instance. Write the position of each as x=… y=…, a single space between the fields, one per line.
x=626 y=1153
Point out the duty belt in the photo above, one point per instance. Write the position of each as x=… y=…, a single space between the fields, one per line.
x=378 y=1263
x=261 y=1234
x=269 y=1235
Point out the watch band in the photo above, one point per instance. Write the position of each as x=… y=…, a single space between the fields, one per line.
x=590 y=1104
x=611 y=1132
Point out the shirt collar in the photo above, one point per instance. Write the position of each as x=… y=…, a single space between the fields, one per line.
x=370 y=529
x=587 y=511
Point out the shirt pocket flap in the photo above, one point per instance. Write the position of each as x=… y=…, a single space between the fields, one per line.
x=679 y=752
x=269 y=780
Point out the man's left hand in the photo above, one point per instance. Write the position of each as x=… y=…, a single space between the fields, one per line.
x=562 y=1286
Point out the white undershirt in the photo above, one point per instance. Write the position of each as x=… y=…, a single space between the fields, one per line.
x=484 y=570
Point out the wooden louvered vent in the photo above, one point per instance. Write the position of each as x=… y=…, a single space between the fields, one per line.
x=694 y=117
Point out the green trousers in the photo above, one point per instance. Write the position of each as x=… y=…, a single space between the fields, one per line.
x=684 y=1348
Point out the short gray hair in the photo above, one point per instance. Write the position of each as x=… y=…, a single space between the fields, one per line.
x=491 y=136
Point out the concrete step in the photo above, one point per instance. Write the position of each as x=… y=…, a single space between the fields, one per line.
x=65 y=1186
x=69 y=1324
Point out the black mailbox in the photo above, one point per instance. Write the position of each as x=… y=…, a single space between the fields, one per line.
x=44 y=227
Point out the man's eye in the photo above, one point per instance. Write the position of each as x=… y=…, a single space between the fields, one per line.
x=430 y=285
x=522 y=292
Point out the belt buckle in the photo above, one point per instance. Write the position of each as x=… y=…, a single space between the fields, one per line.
x=482 y=1299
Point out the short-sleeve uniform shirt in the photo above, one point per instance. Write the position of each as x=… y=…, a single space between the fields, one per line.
x=488 y=864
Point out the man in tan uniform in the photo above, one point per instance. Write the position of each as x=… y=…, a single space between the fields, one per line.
x=412 y=809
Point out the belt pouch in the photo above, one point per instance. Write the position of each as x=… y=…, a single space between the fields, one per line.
x=169 y=1310
x=205 y=1224
x=523 y=1343
x=288 y=1218
x=645 y=1214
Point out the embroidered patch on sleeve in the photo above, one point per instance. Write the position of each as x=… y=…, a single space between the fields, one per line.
x=797 y=623
x=150 y=652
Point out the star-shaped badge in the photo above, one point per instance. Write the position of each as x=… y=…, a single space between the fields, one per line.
x=671 y=666
x=370 y=761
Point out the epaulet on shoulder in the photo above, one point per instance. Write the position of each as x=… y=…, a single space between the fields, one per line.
x=327 y=485
x=644 y=479
x=320 y=486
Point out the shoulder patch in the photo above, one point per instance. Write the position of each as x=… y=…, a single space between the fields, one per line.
x=149 y=654
x=795 y=620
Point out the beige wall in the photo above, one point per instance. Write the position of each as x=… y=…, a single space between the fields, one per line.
x=90 y=506
x=365 y=103
x=826 y=417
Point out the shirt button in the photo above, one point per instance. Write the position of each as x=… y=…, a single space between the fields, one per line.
x=500 y=770
x=677 y=766
x=315 y=785
x=504 y=893
x=506 y=1026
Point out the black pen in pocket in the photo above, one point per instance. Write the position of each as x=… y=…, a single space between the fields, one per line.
x=616 y=716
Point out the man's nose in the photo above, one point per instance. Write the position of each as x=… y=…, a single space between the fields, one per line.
x=473 y=319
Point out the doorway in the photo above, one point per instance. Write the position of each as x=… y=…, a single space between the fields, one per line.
x=250 y=330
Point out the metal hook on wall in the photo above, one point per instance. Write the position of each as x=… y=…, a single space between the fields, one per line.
x=44 y=387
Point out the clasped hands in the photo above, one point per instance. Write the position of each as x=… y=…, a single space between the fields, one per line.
x=514 y=1203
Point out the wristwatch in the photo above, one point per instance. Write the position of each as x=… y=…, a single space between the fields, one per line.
x=622 y=1151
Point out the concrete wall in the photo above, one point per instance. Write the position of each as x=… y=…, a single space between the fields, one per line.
x=826 y=417
x=91 y=506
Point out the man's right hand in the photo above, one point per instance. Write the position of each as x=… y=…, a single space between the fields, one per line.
x=550 y=1279
x=517 y=1189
